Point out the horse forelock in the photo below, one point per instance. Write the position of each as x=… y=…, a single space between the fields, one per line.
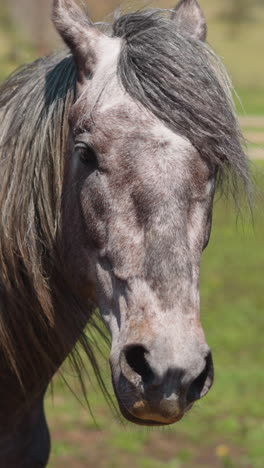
x=184 y=83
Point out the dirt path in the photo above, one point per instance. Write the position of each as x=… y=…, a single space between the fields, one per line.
x=253 y=130
x=252 y=121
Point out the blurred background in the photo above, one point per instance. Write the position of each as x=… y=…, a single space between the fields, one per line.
x=226 y=429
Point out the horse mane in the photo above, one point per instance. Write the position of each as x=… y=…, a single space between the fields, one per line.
x=34 y=108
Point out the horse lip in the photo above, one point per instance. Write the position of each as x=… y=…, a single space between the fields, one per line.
x=144 y=422
x=130 y=416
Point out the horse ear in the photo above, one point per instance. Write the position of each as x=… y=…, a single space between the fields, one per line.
x=79 y=34
x=190 y=19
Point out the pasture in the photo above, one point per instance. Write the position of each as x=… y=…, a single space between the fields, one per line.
x=226 y=429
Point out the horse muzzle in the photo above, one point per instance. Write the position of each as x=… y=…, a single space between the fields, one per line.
x=148 y=397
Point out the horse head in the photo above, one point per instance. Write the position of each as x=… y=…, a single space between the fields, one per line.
x=140 y=177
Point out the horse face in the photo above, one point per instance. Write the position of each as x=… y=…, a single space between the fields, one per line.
x=136 y=216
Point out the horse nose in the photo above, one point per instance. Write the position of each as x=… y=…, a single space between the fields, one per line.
x=171 y=392
x=135 y=356
x=203 y=382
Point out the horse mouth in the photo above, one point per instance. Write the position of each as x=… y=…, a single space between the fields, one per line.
x=144 y=421
x=140 y=413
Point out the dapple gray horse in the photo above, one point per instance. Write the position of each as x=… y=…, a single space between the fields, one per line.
x=110 y=155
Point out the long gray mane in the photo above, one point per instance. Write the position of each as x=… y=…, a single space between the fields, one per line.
x=176 y=78
x=34 y=108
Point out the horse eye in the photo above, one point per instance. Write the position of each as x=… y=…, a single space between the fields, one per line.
x=86 y=154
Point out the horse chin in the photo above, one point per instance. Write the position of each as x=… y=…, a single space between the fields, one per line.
x=144 y=421
x=137 y=415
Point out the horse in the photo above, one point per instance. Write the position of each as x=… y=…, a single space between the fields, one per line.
x=111 y=153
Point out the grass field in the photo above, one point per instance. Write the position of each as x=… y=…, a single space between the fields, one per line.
x=226 y=429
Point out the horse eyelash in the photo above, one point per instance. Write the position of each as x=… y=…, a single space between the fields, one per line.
x=87 y=153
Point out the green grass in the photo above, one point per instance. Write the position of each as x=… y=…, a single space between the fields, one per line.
x=226 y=429
x=250 y=101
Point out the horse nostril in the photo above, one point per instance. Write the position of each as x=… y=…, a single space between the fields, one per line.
x=135 y=358
x=202 y=384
